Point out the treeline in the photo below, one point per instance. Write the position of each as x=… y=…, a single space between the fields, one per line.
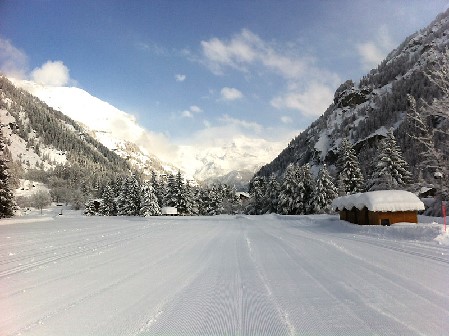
x=297 y=192
x=132 y=196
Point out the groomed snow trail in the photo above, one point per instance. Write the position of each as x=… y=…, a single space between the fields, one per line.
x=224 y=275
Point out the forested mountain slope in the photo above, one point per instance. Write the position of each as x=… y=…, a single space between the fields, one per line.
x=41 y=138
x=418 y=70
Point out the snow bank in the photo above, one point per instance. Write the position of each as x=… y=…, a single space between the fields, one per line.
x=425 y=231
x=443 y=237
x=380 y=200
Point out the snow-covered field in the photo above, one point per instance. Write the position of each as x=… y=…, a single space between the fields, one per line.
x=224 y=275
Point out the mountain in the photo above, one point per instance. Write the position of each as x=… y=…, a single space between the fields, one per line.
x=115 y=129
x=234 y=162
x=363 y=112
x=40 y=138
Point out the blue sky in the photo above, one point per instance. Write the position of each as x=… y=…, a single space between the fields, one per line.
x=195 y=70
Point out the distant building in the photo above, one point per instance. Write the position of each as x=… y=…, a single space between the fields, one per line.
x=381 y=207
x=169 y=211
x=243 y=197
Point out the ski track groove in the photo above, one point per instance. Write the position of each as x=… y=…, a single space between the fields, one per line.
x=375 y=271
x=63 y=255
x=281 y=312
x=103 y=289
x=438 y=298
x=251 y=276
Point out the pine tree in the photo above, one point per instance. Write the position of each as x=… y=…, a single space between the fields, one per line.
x=288 y=191
x=215 y=201
x=90 y=209
x=128 y=201
x=108 y=207
x=391 y=170
x=158 y=188
x=325 y=192
x=350 y=177
x=305 y=189
x=272 y=195
x=149 y=205
x=231 y=204
x=181 y=201
x=204 y=201
x=171 y=195
x=7 y=203
x=191 y=208
x=257 y=190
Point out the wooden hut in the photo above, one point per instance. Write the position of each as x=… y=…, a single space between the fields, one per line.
x=381 y=207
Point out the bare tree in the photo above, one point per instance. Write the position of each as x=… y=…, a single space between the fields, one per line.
x=41 y=199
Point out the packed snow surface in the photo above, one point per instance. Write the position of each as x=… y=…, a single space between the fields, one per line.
x=223 y=275
x=380 y=200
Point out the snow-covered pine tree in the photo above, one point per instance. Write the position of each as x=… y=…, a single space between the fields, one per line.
x=288 y=191
x=231 y=204
x=272 y=194
x=191 y=207
x=324 y=193
x=156 y=184
x=108 y=206
x=196 y=199
x=117 y=185
x=128 y=201
x=257 y=190
x=306 y=186
x=90 y=208
x=181 y=201
x=350 y=177
x=171 y=195
x=210 y=201
x=391 y=170
x=204 y=201
x=149 y=205
x=7 y=203
x=215 y=201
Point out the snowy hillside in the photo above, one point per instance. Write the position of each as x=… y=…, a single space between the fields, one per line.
x=364 y=111
x=43 y=144
x=223 y=275
x=115 y=129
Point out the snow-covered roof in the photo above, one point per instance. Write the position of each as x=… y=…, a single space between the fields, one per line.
x=169 y=211
x=380 y=200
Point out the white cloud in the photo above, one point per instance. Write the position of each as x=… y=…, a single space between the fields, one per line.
x=194 y=109
x=13 y=62
x=312 y=102
x=180 y=77
x=242 y=124
x=286 y=119
x=230 y=94
x=246 y=49
x=373 y=52
x=227 y=128
x=308 y=88
x=186 y=114
x=52 y=73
